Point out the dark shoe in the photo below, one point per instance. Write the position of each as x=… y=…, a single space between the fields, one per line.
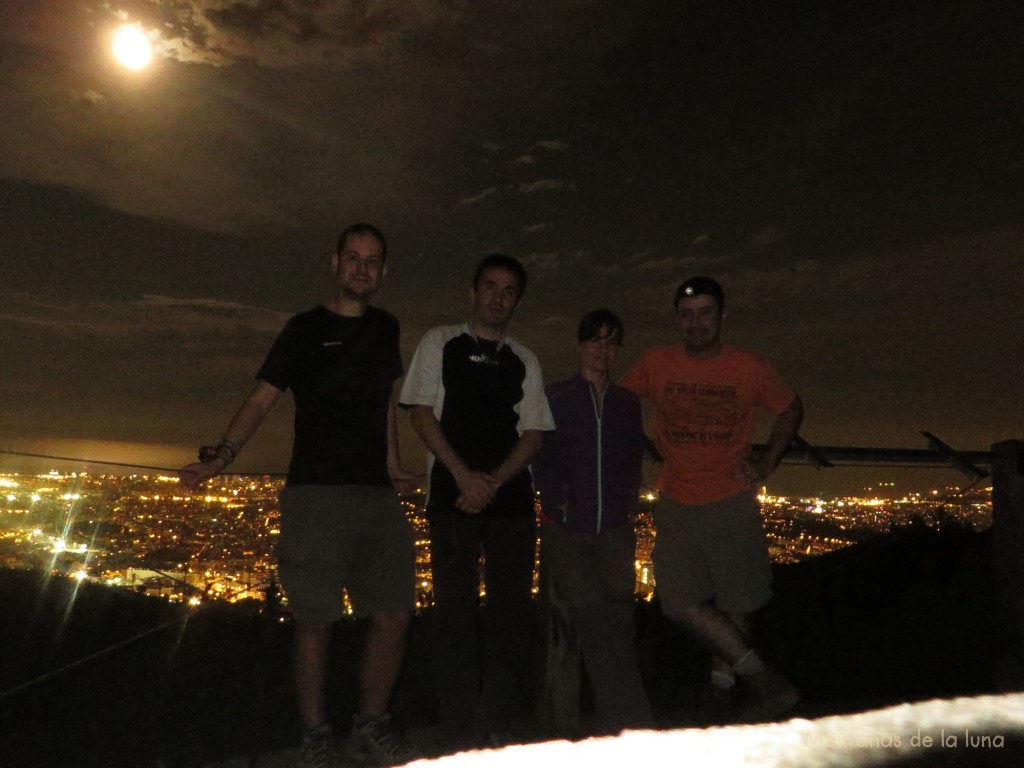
x=767 y=695
x=319 y=750
x=376 y=743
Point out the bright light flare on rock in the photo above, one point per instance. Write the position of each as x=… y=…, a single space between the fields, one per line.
x=132 y=48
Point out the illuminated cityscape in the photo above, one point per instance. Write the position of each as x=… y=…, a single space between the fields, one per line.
x=147 y=534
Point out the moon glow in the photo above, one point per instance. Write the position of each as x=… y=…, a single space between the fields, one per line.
x=132 y=47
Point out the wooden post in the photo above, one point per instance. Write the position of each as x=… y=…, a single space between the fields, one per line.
x=1008 y=558
x=558 y=711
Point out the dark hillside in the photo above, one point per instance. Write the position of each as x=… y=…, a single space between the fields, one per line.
x=904 y=617
x=900 y=618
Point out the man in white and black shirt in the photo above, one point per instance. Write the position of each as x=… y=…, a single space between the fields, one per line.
x=478 y=403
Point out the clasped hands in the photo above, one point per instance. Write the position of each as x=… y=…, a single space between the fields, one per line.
x=476 y=491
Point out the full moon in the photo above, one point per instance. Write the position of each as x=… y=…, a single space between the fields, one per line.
x=132 y=48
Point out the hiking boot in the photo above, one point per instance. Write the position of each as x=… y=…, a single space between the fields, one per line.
x=375 y=742
x=319 y=750
x=767 y=695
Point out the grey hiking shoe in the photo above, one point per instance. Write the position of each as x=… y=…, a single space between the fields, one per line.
x=375 y=742
x=319 y=749
x=767 y=695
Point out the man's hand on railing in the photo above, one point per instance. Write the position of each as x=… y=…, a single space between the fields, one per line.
x=197 y=473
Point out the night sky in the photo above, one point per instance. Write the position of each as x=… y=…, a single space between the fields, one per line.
x=851 y=172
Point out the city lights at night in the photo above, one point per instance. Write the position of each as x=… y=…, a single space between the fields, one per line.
x=145 y=534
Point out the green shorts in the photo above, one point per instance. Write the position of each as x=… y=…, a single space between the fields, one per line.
x=353 y=537
x=716 y=551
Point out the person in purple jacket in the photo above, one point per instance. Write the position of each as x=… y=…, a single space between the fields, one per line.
x=588 y=474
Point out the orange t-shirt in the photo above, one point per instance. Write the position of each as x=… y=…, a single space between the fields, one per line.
x=704 y=414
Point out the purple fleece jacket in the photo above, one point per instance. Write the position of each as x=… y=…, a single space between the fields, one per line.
x=588 y=473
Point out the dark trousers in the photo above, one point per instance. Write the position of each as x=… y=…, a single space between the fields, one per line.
x=479 y=678
x=594 y=575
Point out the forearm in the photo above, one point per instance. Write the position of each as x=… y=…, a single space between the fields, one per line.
x=523 y=452
x=429 y=431
x=783 y=431
x=242 y=426
x=249 y=417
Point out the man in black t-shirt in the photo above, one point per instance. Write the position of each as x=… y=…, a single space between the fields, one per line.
x=341 y=523
x=478 y=404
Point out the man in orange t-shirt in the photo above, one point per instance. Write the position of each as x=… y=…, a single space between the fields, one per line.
x=711 y=555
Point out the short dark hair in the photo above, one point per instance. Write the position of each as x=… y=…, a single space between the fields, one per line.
x=362 y=228
x=502 y=261
x=592 y=323
x=700 y=286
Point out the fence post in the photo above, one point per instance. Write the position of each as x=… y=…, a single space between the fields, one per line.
x=558 y=710
x=1008 y=559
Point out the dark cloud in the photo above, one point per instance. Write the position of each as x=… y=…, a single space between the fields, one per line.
x=543 y=185
x=850 y=172
x=479 y=196
x=141 y=317
x=276 y=33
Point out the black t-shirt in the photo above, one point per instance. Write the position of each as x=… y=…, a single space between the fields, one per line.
x=483 y=383
x=340 y=370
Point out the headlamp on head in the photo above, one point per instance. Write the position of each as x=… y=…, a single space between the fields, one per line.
x=700 y=286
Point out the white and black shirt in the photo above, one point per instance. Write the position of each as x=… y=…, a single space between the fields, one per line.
x=484 y=394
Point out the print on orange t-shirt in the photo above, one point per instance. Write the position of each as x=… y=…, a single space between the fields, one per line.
x=704 y=414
